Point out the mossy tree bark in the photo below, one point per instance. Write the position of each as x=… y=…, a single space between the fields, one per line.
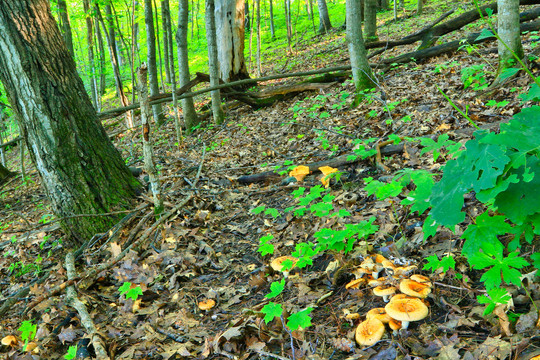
x=80 y=169
x=361 y=71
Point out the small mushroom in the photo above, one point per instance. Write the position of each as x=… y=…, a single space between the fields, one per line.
x=207 y=304
x=407 y=310
x=299 y=172
x=385 y=291
x=277 y=264
x=395 y=325
x=378 y=313
x=327 y=170
x=400 y=296
x=369 y=332
x=376 y=282
x=404 y=270
x=377 y=268
x=421 y=279
x=413 y=288
x=355 y=284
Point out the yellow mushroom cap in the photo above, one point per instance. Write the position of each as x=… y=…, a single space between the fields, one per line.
x=413 y=288
x=378 y=313
x=355 y=284
x=300 y=172
x=369 y=332
x=421 y=279
x=400 y=296
x=384 y=291
x=395 y=325
x=376 y=282
x=277 y=263
x=327 y=170
x=387 y=264
x=404 y=270
x=207 y=304
x=406 y=310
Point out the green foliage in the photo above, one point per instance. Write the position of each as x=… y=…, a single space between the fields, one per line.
x=271 y=311
x=300 y=319
x=496 y=296
x=433 y=263
x=265 y=247
x=129 y=291
x=71 y=353
x=474 y=76
x=276 y=288
x=28 y=332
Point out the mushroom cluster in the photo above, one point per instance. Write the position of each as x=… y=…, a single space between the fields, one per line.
x=402 y=308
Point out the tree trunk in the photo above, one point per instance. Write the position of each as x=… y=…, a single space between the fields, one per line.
x=151 y=60
x=324 y=18
x=419 y=7
x=229 y=23
x=80 y=169
x=287 y=10
x=101 y=54
x=4 y=174
x=65 y=25
x=271 y=13
x=213 y=70
x=111 y=41
x=370 y=20
x=508 y=29
x=91 y=61
x=165 y=11
x=361 y=71
x=188 y=107
x=258 y=5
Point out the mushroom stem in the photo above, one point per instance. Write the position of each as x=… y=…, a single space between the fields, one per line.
x=404 y=324
x=386 y=298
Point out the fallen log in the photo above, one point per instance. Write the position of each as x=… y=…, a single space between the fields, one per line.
x=451 y=46
x=428 y=35
x=11 y=142
x=342 y=160
x=161 y=98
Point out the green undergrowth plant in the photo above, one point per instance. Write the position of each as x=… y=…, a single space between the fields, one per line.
x=315 y=202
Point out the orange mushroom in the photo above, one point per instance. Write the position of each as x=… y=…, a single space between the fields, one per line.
x=327 y=170
x=299 y=172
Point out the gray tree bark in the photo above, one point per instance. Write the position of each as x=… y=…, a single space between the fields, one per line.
x=271 y=14
x=213 y=71
x=166 y=12
x=361 y=71
x=188 y=107
x=229 y=23
x=151 y=60
x=370 y=20
x=324 y=18
x=80 y=169
x=508 y=30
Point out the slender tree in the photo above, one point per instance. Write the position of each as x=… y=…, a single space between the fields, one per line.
x=80 y=169
x=91 y=60
x=258 y=6
x=188 y=107
x=166 y=12
x=508 y=30
x=370 y=20
x=229 y=20
x=65 y=25
x=213 y=71
x=419 y=7
x=271 y=14
x=362 y=76
x=151 y=59
x=324 y=18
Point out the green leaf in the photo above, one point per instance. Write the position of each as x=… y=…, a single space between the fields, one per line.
x=71 y=353
x=273 y=212
x=508 y=72
x=134 y=293
x=276 y=288
x=485 y=34
x=124 y=288
x=429 y=228
x=265 y=247
x=271 y=311
x=28 y=330
x=532 y=95
x=486 y=229
x=300 y=319
x=496 y=296
x=258 y=209
x=445 y=263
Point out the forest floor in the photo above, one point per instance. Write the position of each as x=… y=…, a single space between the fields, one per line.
x=209 y=249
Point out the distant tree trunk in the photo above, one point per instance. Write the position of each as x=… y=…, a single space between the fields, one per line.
x=247 y=21
x=65 y=25
x=101 y=55
x=165 y=11
x=111 y=41
x=370 y=20
x=2 y=152
x=508 y=30
x=312 y=16
x=258 y=5
x=324 y=18
x=213 y=71
x=229 y=22
x=188 y=107
x=287 y=9
x=362 y=76
x=151 y=60
x=80 y=169
x=419 y=7
x=148 y=145
x=271 y=11
x=91 y=60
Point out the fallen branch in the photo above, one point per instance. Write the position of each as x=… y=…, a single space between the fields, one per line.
x=78 y=305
